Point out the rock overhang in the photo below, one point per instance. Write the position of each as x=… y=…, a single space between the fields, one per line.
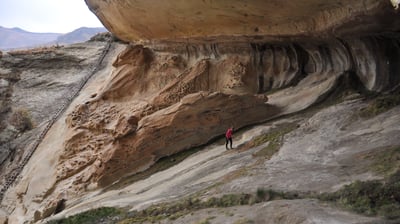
x=236 y=20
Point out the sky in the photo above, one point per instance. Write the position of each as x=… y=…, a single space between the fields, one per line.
x=54 y=16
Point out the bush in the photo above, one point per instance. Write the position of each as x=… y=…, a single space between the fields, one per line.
x=21 y=120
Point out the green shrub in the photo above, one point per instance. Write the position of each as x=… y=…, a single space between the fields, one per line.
x=260 y=194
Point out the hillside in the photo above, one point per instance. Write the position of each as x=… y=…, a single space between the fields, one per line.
x=14 y=38
x=79 y=35
x=133 y=132
x=17 y=38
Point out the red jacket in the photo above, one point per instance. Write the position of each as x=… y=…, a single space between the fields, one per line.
x=228 y=133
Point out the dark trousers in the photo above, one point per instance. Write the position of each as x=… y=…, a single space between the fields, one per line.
x=228 y=140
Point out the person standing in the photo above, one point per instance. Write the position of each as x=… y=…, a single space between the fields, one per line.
x=228 y=137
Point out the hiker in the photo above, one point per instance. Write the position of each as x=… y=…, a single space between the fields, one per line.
x=228 y=137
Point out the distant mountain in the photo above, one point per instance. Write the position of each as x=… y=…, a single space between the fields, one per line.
x=18 y=38
x=12 y=38
x=79 y=35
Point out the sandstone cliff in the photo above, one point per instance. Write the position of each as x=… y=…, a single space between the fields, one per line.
x=198 y=67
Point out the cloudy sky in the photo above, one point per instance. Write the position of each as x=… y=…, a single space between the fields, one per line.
x=57 y=16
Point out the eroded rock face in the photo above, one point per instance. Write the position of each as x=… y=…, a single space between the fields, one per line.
x=231 y=20
x=150 y=100
x=188 y=94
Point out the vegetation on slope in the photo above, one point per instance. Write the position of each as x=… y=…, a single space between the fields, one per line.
x=386 y=161
x=379 y=105
x=92 y=216
x=370 y=197
x=274 y=139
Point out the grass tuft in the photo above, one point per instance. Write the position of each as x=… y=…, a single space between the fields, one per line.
x=379 y=105
x=91 y=216
x=275 y=139
x=385 y=161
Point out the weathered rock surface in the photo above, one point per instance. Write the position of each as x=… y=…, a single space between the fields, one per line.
x=188 y=108
x=172 y=20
